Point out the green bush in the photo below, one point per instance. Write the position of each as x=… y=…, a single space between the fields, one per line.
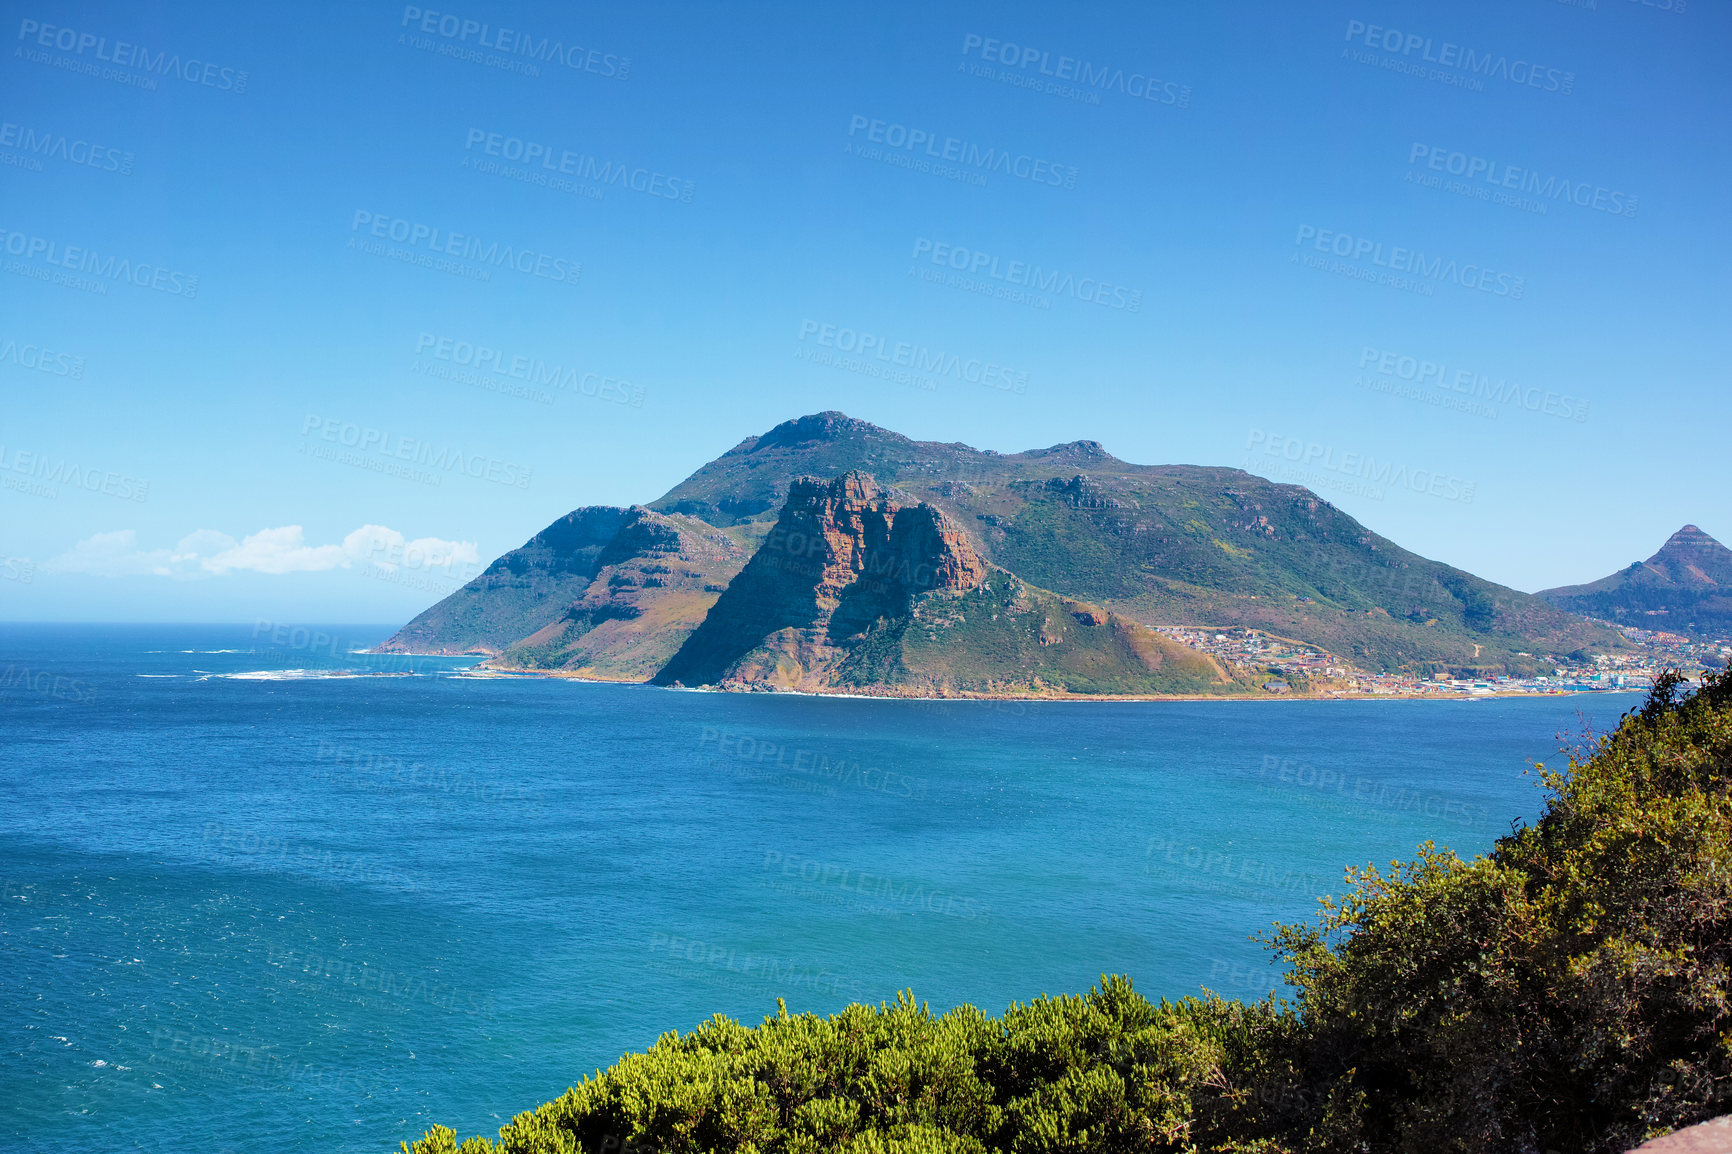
x=1567 y=992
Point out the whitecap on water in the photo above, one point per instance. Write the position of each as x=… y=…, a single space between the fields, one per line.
x=303 y=674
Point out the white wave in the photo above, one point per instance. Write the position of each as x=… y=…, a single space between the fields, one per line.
x=302 y=674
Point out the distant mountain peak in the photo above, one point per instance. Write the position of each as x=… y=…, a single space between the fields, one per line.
x=815 y=428
x=1073 y=451
x=1692 y=557
x=1683 y=587
x=1691 y=540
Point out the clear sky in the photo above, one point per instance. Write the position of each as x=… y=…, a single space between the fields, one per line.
x=1485 y=243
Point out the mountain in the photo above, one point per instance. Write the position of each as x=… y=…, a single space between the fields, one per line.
x=1685 y=588
x=859 y=588
x=1168 y=544
x=1138 y=545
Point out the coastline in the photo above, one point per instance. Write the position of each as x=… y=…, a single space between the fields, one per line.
x=564 y=675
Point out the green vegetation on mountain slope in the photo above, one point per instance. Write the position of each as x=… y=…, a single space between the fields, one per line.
x=1566 y=992
x=1007 y=636
x=1196 y=546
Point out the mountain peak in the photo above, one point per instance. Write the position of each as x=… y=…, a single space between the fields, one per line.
x=1690 y=539
x=1072 y=451
x=1691 y=557
x=815 y=428
x=1682 y=588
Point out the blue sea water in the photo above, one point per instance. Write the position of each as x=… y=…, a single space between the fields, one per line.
x=257 y=889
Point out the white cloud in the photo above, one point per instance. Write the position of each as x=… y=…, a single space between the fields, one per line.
x=276 y=551
x=387 y=549
x=113 y=554
x=204 y=542
x=208 y=552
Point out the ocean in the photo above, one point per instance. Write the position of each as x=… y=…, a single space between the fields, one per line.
x=258 y=888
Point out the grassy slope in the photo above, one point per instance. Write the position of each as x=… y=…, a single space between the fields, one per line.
x=1008 y=636
x=1217 y=548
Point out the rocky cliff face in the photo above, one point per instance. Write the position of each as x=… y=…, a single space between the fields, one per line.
x=843 y=556
x=862 y=589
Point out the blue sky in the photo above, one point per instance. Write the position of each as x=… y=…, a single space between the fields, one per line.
x=1483 y=243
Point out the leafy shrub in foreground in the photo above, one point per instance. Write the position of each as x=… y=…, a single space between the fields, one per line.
x=1567 y=992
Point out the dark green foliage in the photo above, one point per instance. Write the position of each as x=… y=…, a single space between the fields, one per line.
x=1567 y=992
x=1104 y=1073
x=1478 y=613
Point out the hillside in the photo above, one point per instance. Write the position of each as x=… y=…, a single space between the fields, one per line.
x=519 y=593
x=653 y=584
x=859 y=588
x=604 y=592
x=1685 y=587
